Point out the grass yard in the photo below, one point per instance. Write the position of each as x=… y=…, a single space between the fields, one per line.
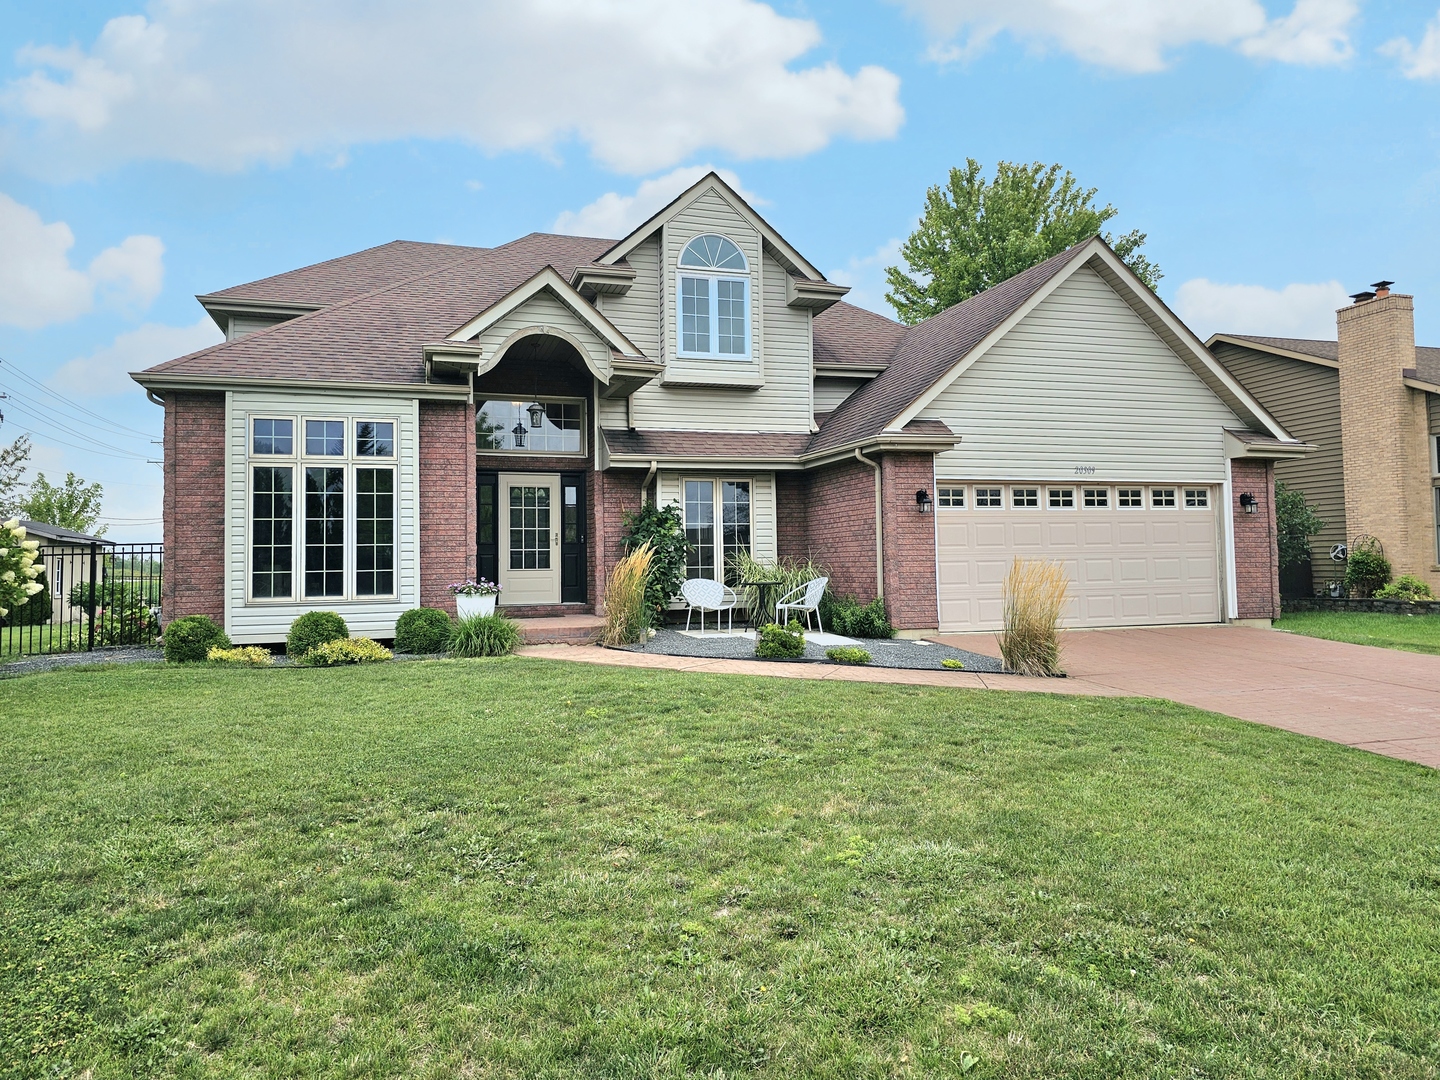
x=17 y=641
x=1412 y=633
x=521 y=868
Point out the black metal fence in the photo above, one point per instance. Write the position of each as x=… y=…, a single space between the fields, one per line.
x=94 y=595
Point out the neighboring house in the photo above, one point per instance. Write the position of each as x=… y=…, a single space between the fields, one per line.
x=70 y=558
x=1370 y=403
x=382 y=424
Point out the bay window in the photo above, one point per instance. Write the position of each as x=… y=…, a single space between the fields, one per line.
x=324 y=502
x=713 y=299
x=717 y=527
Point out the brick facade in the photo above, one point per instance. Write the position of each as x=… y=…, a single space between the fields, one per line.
x=1384 y=428
x=840 y=526
x=1257 y=558
x=910 y=595
x=447 y=499
x=194 y=444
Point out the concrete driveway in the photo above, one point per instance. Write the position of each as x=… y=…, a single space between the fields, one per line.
x=1375 y=699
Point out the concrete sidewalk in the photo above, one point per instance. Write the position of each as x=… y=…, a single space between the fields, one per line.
x=1375 y=699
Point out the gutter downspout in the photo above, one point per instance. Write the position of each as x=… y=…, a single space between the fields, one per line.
x=879 y=528
x=154 y=399
x=645 y=486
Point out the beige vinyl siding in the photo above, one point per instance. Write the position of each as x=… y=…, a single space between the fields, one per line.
x=637 y=313
x=242 y=325
x=1433 y=404
x=762 y=500
x=613 y=413
x=782 y=404
x=1081 y=388
x=544 y=309
x=830 y=392
x=269 y=620
x=1305 y=399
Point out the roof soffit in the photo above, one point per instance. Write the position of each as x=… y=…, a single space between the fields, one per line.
x=772 y=240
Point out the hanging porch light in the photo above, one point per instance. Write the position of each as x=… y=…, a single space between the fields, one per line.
x=518 y=431
x=537 y=413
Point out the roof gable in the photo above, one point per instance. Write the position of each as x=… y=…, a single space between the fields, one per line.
x=712 y=183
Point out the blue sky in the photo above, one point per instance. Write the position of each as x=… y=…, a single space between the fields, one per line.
x=1279 y=154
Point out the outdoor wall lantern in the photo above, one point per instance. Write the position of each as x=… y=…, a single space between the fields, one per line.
x=519 y=432
x=922 y=501
x=1248 y=503
x=537 y=413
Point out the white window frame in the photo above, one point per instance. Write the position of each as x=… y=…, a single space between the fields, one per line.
x=1103 y=493
x=1015 y=490
x=525 y=451
x=1050 y=492
x=1202 y=494
x=349 y=462
x=996 y=493
x=1122 y=506
x=717 y=508
x=712 y=276
x=943 y=486
x=1155 y=498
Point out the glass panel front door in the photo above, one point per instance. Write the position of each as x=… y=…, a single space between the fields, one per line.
x=529 y=539
x=529 y=527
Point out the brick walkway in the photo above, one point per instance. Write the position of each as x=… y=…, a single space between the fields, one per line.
x=1380 y=700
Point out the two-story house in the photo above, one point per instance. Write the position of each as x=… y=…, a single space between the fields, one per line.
x=380 y=425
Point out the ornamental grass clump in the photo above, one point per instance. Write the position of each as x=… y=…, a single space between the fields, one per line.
x=485 y=635
x=243 y=656
x=361 y=650
x=790 y=573
x=1033 y=600
x=627 y=613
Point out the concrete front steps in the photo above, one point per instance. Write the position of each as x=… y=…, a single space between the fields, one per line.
x=575 y=629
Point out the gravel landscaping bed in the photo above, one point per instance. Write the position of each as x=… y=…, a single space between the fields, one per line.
x=118 y=654
x=893 y=653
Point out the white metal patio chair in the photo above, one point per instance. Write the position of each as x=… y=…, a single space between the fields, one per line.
x=707 y=594
x=805 y=599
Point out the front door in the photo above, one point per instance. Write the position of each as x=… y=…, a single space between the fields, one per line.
x=529 y=538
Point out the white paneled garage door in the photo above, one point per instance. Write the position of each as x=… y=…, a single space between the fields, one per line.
x=1136 y=555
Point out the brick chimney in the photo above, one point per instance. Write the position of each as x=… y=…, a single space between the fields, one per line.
x=1384 y=432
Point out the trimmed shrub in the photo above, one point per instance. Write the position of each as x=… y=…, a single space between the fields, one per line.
x=847 y=654
x=485 y=635
x=312 y=629
x=846 y=616
x=423 y=630
x=190 y=639
x=627 y=598
x=244 y=655
x=777 y=642
x=360 y=650
x=1406 y=587
x=1033 y=598
x=1367 y=568
x=953 y=664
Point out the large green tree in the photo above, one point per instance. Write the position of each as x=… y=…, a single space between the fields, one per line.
x=73 y=505
x=976 y=232
x=12 y=472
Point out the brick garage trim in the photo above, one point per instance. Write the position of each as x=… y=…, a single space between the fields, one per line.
x=447 y=499
x=910 y=590
x=194 y=506
x=1257 y=558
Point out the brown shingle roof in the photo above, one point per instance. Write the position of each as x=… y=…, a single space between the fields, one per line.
x=931 y=348
x=729 y=444
x=334 y=280
x=377 y=336
x=1427 y=359
x=846 y=334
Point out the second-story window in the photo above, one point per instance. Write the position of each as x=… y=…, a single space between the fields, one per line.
x=714 y=299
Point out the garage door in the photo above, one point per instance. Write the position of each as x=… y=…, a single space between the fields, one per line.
x=1136 y=555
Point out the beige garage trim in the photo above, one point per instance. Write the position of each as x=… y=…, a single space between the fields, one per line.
x=1145 y=565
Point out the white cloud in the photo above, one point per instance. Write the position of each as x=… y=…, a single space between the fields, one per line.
x=644 y=84
x=865 y=274
x=39 y=286
x=1297 y=310
x=1138 y=35
x=106 y=371
x=614 y=215
x=1418 y=61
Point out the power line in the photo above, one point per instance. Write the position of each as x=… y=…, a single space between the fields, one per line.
x=75 y=405
x=101 y=447
x=83 y=449
x=59 y=415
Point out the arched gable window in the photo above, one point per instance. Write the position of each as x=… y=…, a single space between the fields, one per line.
x=714 y=299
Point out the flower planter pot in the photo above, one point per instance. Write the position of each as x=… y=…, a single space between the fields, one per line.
x=467 y=607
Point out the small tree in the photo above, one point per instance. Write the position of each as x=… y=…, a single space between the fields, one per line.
x=1295 y=523
x=75 y=505
x=12 y=471
x=663 y=529
x=976 y=233
x=1366 y=569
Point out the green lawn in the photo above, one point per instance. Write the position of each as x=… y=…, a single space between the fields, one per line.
x=535 y=869
x=1413 y=633
x=18 y=641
